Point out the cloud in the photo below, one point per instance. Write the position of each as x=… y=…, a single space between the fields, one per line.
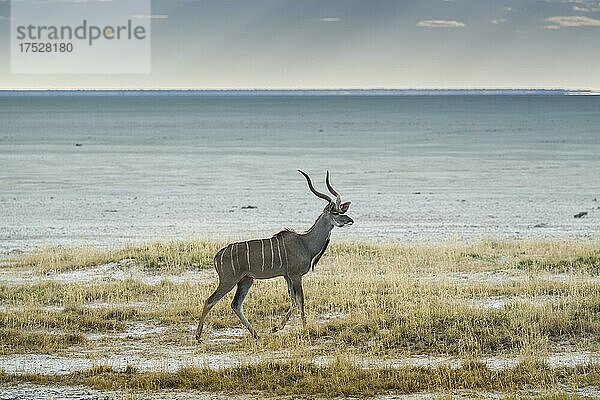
x=572 y=21
x=441 y=23
x=551 y=27
x=152 y=16
x=329 y=19
x=498 y=21
x=586 y=9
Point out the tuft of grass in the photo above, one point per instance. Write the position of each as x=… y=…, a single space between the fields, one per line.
x=77 y=319
x=18 y=341
x=54 y=259
x=172 y=256
x=589 y=264
x=166 y=256
x=438 y=328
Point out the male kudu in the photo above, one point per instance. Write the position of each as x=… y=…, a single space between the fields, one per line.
x=287 y=253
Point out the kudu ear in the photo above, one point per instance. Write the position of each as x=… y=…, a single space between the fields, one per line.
x=345 y=206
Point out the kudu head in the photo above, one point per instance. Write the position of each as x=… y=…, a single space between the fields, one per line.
x=335 y=211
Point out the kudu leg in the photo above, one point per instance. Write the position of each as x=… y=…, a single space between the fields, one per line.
x=238 y=303
x=217 y=295
x=288 y=314
x=299 y=295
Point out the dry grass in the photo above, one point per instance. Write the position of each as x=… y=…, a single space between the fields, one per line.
x=75 y=319
x=17 y=340
x=391 y=300
x=339 y=379
x=166 y=256
x=176 y=256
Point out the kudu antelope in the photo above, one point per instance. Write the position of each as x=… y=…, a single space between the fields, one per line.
x=288 y=254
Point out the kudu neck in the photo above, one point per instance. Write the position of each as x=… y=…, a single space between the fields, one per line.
x=318 y=234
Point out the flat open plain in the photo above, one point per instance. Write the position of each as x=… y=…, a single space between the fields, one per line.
x=489 y=319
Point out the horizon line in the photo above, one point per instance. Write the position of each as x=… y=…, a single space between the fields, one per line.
x=339 y=91
x=305 y=88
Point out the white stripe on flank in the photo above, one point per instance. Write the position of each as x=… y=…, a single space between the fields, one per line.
x=232 y=267
x=222 y=254
x=248 y=255
x=285 y=252
x=279 y=251
x=272 y=255
x=237 y=256
x=262 y=246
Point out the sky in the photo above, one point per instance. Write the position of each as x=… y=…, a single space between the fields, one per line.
x=329 y=44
